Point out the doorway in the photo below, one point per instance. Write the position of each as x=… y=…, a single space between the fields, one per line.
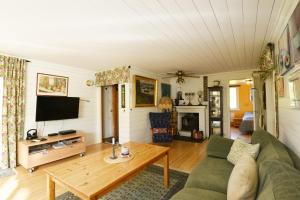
x=241 y=109
x=110 y=113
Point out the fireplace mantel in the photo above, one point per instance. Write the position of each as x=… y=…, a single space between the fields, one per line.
x=201 y=110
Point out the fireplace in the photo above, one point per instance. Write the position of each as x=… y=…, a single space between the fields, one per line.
x=190 y=122
x=191 y=112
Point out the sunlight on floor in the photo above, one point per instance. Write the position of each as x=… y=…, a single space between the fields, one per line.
x=20 y=194
x=8 y=188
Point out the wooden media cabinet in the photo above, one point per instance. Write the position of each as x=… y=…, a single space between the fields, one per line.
x=32 y=154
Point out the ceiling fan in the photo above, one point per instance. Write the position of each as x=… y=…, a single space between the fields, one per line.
x=180 y=75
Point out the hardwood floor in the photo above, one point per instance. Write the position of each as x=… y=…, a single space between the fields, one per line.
x=236 y=133
x=183 y=156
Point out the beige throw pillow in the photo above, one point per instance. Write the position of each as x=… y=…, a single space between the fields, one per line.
x=243 y=180
x=240 y=147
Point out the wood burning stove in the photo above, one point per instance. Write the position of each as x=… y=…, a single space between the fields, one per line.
x=190 y=122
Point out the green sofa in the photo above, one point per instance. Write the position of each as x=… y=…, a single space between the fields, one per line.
x=278 y=169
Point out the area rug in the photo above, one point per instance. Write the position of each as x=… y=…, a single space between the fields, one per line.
x=148 y=185
x=6 y=172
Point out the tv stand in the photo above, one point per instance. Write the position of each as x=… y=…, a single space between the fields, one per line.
x=32 y=154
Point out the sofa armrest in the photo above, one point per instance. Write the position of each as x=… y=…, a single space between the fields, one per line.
x=218 y=146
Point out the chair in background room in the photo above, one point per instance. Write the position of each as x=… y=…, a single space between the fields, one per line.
x=160 y=127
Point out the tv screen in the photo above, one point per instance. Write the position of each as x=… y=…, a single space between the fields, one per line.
x=56 y=108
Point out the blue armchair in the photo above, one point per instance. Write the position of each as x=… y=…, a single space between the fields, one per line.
x=160 y=127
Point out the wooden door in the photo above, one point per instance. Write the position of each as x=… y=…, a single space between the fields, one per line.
x=110 y=113
x=115 y=111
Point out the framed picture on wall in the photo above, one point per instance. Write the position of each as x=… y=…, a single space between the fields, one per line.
x=144 y=91
x=284 y=57
x=294 y=30
x=280 y=86
x=123 y=103
x=51 y=85
x=165 y=90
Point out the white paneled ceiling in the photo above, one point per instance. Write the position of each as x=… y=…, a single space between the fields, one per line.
x=204 y=36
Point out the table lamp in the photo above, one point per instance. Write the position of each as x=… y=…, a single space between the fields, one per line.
x=165 y=103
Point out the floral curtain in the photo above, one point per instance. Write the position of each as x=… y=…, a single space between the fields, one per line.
x=114 y=76
x=267 y=61
x=267 y=66
x=13 y=72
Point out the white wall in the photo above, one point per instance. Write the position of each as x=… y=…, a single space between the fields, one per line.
x=88 y=121
x=134 y=123
x=270 y=106
x=196 y=84
x=289 y=119
x=124 y=116
x=139 y=117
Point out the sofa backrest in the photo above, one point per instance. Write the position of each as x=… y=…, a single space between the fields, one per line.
x=270 y=148
x=277 y=173
x=294 y=157
x=278 y=180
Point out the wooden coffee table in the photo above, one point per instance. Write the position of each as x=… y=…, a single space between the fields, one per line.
x=90 y=177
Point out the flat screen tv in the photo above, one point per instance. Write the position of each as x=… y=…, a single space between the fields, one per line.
x=56 y=108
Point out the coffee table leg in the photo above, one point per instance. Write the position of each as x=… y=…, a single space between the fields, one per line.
x=166 y=170
x=51 y=188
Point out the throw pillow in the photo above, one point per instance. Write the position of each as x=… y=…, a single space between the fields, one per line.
x=243 y=179
x=239 y=147
x=160 y=130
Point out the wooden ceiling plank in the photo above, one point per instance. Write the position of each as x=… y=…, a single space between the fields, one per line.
x=235 y=10
x=206 y=12
x=190 y=41
x=250 y=8
x=220 y=9
x=146 y=13
x=264 y=15
x=202 y=42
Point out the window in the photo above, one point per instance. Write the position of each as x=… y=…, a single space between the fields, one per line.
x=234 y=98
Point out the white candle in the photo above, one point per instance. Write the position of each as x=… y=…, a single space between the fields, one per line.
x=113 y=140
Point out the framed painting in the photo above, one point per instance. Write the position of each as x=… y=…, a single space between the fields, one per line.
x=165 y=90
x=123 y=103
x=51 y=85
x=294 y=30
x=280 y=86
x=144 y=91
x=284 y=56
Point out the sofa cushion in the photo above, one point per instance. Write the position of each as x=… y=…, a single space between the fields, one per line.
x=197 y=193
x=278 y=180
x=218 y=146
x=243 y=179
x=211 y=174
x=271 y=148
x=239 y=148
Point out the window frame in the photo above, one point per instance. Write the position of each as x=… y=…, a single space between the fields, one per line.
x=237 y=108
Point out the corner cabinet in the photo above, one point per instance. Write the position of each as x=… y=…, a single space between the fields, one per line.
x=215 y=99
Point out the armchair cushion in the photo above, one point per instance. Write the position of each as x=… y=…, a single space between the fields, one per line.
x=162 y=137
